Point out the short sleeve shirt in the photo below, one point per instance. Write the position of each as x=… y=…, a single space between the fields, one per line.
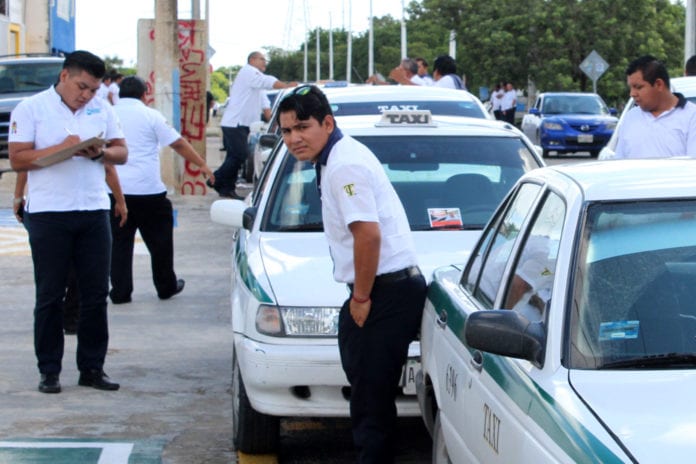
x=146 y=131
x=76 y=184
x=671 y=133
x=114 y=90
x=245 y=104
x=354 y=187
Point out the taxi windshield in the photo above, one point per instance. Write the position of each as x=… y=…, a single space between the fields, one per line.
x=635 y=287
x=447 y=182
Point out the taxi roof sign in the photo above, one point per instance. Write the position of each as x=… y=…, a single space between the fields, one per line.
x=400 y=118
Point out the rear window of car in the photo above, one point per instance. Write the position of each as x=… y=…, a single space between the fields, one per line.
x=461 y=179
x=28 y=77
x=635 y=285
x=443 y=108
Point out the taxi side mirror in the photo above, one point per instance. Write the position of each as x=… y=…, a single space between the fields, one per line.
x=507 y=333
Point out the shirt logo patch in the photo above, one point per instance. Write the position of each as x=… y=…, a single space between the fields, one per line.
x=91 y=111
x=349 y=189
x=13 y=129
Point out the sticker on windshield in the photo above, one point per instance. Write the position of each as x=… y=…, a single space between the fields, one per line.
x=445 y=217
x=618 y=330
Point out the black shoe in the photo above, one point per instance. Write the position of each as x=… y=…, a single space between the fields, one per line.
x=209 y=184
x=232 y=195
x=70 y=328
x=179 y=287
x=49 y=383
x=117 y=300
x=97 y=379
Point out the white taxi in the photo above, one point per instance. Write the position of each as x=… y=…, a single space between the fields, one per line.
x=450 y=173
x=570 y=334
x=355 y=100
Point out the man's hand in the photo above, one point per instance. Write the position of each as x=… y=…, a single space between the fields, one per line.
x=360 y=311
x=121 y=211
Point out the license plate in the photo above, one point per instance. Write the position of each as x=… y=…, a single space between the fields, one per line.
x=585 y=138
x=408 y=376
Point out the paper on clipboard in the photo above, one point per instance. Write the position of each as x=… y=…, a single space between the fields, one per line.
x=67 y=153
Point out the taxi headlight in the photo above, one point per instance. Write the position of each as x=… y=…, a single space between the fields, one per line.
x=553 y=126
x=302 y=321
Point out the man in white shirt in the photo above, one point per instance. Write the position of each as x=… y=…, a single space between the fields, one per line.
x=445 y=73
x=423 y=71
x=373 y=252
x=244 y=108
x=662 y=124
x=112 y=95
x=67 y=212
x=406 y=73
x=146 y=130
x=509 y=103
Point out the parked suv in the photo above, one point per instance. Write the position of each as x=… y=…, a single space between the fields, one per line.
x=22 y=76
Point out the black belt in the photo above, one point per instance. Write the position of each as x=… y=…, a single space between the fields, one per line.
x=396 y=276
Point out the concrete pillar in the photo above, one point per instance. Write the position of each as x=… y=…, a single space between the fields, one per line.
x=166 y=73
x=690 y=30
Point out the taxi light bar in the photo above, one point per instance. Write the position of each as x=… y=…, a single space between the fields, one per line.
x=401 y=118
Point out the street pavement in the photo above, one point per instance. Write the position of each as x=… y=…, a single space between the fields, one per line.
x=172 y=358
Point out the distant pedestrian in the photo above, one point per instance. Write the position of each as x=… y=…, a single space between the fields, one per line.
x=149 y=209
x=662 y=124
x=407 y=73
x=509 y=103
x=103 y=91
x=497 y=100
x=445 y=73
x=423 y=71
x=690 y=66
x=112 y=96
x=244 y=107
x=67 y=213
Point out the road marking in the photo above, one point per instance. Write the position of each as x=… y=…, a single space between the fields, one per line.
x=84 y=451
x=111 y=453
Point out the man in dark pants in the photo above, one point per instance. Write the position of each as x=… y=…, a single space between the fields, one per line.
x=373 y=253
x=246 y=103
x=67 y=212
x=149 y=209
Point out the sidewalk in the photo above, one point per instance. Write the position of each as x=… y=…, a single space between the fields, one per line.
x=172 y=358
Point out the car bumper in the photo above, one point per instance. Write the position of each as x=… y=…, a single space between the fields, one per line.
x=301 y=380
x=562 y=141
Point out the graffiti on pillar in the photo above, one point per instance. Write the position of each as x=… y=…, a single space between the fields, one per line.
x=192 y=86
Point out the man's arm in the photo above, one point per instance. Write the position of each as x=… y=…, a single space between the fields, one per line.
x=367 y=240
x=120 y=208
x=185 y=149
x=20 y=187
x=284 y=85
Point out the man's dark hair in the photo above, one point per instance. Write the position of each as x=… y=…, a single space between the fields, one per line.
x=652 y=69
x=132 y=87
x=445 y=64
x=307 y=101
x=690 y=66
x=422 y=61
x=81 y=60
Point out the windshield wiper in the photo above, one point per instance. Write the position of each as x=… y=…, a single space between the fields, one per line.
x=308 y=227
x=656 y=360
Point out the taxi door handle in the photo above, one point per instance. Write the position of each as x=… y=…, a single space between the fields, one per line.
x=442 y=319
x=477 y=360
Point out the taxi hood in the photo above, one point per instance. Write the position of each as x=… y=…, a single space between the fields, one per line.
x=651 y=412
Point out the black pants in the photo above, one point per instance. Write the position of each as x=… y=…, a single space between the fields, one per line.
x=372 y=357
x=58 y=240
x=153 y=216
x=235 y=141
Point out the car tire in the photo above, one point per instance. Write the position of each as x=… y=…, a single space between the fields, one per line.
x=440 y=454
x=252 y=431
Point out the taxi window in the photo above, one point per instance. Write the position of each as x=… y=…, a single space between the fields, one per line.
x=635 y=286
x=442 y=108
x=532 y=276
x=483 y=280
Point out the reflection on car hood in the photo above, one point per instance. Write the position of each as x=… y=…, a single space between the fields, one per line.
x=300 y=270
x=651 y=412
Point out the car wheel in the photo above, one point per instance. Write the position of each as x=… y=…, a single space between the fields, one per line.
x=440 y=454
x=252 y=432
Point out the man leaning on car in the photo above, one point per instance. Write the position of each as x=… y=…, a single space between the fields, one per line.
x=663 y=124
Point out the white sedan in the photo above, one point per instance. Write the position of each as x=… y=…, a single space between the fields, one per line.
x=570 y=334
x=450 y=173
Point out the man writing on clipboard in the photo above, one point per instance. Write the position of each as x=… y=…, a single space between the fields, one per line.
x=67 y=212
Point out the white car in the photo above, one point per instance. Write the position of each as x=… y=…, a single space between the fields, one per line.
x=353 y=100
x=684 y=85
x=450 y=173
x=570 y=334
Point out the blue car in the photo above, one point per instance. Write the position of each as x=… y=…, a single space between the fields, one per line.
x=567 y=122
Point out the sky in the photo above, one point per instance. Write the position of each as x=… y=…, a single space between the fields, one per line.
x=237 y=27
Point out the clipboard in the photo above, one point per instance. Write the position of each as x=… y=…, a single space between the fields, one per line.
x=67 y=153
